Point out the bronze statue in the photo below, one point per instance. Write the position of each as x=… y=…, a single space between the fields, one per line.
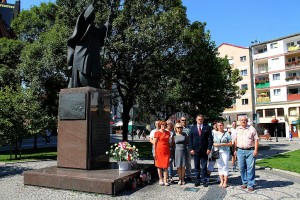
x=84 y=48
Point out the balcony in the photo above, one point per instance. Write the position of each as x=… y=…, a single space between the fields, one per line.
x=293 y=48
x=292 y=78
x=292 y=65
x=263 y=100
x=262 y=84
x=292 y=97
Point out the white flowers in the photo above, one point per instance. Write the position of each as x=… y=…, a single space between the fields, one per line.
x=123 y=151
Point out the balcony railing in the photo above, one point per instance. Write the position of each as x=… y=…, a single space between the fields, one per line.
x=293 y=48
x=291 y=97
x=262 y=85
x=292 y=65
x=293 y=78
x=263 y=100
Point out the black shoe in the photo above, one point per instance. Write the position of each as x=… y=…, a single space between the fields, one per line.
x=197 y=183
x=205 y=184
x=188 y=179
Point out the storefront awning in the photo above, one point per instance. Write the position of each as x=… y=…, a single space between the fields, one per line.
x=296 y=122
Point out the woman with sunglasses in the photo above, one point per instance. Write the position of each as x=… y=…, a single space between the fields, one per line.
x=181 y=141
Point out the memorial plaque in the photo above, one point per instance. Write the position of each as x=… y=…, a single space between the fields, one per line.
x=72 y=106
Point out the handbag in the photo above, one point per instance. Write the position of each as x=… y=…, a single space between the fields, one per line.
x=215 y=153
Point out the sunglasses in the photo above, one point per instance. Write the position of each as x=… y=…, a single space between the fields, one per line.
x=183 y=120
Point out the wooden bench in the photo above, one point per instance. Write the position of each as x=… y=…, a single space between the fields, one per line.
x=265 y=137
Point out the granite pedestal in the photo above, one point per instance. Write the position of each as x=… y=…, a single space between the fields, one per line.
x=83 y=139
x=105 y=181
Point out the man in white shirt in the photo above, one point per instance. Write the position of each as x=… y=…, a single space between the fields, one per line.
x=151 y=136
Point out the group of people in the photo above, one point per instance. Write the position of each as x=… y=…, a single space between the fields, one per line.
x=177 y=145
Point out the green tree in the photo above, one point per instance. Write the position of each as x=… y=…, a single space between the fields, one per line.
x=208 y=81
x=9 y=59
x=201 y=82
x=44 y=68
x=30 y=24
x=143 y=44
x=20 y=116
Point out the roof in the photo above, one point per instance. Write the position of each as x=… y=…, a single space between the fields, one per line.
x=275 y=40
x=232 y=46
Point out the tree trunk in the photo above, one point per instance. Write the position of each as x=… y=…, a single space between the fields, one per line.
x=35 y=142
x=125 y=119
x=16 y=149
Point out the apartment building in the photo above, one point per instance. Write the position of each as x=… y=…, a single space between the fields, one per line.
x=276 y=74
x=239 y=58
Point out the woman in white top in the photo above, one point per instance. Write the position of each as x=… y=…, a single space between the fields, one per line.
x=222 y=142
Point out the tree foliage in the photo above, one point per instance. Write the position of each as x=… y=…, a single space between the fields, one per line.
x=10 y=51
x=20 y=115
x=142 y=46
x=29 y=24
x=153 y=56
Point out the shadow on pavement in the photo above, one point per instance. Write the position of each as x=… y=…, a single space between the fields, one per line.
x=6 y=171
x=263 y=184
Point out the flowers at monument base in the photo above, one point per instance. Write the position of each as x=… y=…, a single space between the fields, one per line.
x=123 y=151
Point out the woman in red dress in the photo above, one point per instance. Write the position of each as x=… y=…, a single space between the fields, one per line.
x=162 y=152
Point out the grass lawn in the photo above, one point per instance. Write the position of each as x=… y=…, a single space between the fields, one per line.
x=30 y=154
x=145 y=150
x=288 y=161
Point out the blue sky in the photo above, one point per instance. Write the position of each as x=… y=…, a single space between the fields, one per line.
x=237 y=22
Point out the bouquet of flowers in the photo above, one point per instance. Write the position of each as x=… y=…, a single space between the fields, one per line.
x=123 y=151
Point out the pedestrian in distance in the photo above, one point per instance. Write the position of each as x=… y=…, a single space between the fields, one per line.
x=144 y=134
x=246 y=149
x=291 y=136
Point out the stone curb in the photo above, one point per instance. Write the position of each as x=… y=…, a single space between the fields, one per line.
x=283 y=171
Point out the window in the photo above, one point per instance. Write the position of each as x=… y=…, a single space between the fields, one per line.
x=274 y=45
x=260 y=113
x=263 y=67
x=243 y=58
x=262 y=50
x=244 y=72
x=276 y=76
x=280 y=112
x=294 y=74
x=293 y=59
x=294 y=91
x=244 y=101
x=244 y=86
x=290 y=44
x=276 y=92
x=292 y=112
x=269 y=112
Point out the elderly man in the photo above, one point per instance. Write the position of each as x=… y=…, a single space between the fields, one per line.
x=246 y=149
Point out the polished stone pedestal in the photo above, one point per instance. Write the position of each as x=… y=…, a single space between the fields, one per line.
x=83 y=128
x=106 y=181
